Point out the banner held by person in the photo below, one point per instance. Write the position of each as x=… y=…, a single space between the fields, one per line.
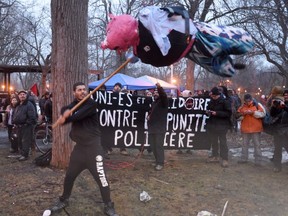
x=124 y=124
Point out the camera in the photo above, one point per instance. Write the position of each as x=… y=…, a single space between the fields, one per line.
x=276 y=103
x=208 y=112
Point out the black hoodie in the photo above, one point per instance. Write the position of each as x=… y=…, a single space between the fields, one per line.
x=85 y=122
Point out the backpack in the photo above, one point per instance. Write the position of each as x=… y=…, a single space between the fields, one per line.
x=44 y=159
x=268 y=121
x=265 y=116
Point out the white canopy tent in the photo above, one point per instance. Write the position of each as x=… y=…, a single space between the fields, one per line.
x=152 y=80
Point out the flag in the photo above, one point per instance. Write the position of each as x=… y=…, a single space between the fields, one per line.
x=34 y=89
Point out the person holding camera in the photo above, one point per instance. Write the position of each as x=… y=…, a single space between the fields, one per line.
x=279 y=111
x=219 y=111
x=251 y=113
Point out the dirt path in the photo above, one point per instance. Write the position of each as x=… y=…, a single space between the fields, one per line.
x=185 y=187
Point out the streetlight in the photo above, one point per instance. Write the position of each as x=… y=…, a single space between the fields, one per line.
x=227 y=82
x=172 y=70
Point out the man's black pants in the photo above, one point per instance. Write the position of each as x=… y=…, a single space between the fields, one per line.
x=87 y=157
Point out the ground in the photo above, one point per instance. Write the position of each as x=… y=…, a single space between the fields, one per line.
x=185 y=187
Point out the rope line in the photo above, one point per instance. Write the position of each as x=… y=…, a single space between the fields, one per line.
x=125 y=164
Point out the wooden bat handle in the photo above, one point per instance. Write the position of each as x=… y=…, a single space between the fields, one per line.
x=94 y=90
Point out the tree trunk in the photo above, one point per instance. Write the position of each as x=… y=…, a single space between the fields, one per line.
x=190 y=75
x=69 y=65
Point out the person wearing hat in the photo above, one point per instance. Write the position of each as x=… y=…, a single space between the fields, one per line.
x=117 y=88
x=251 y=127
x=24 y=118
x=219 y=112
x=276 y=92
x=157 y=120
x=279 y=112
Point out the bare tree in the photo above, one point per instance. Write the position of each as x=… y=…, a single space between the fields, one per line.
x=36 y=46
x=23 y=41
x=267 y=22
x=225 y=12
x=69 y=65
x=270 y=33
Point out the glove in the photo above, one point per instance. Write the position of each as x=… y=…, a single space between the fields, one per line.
x=130 y=55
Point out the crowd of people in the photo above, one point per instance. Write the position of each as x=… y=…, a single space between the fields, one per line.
x=21 y=116
x=268 y=115
x=225 y=110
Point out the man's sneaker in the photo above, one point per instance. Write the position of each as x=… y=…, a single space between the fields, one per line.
x=59 y=205
x=212 y=160
x=22 y=158
x=124 y=152
x=109 y=209
x=159 y=167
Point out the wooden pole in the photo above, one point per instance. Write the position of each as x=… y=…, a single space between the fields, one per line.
x=96 y=89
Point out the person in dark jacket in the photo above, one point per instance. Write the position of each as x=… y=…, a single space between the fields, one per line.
x=42 y=102
x=157 y=120
x=25 y=119
x=88 y=151
x=279 y=112
x=48 y=109
x=219 y=112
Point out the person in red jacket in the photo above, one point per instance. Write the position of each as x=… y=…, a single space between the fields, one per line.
x=251 y=127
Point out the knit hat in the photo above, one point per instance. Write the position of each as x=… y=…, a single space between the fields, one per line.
x=247 y=97
x=118 y=84
x=277 y=90
x=279 y=98
x=215 y=91
x=285 y=91
x=22 y=91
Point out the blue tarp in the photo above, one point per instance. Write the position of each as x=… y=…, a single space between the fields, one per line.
x=127 y=82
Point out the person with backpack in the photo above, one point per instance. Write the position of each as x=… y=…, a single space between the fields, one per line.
x=251 y=127
x=279 y=111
